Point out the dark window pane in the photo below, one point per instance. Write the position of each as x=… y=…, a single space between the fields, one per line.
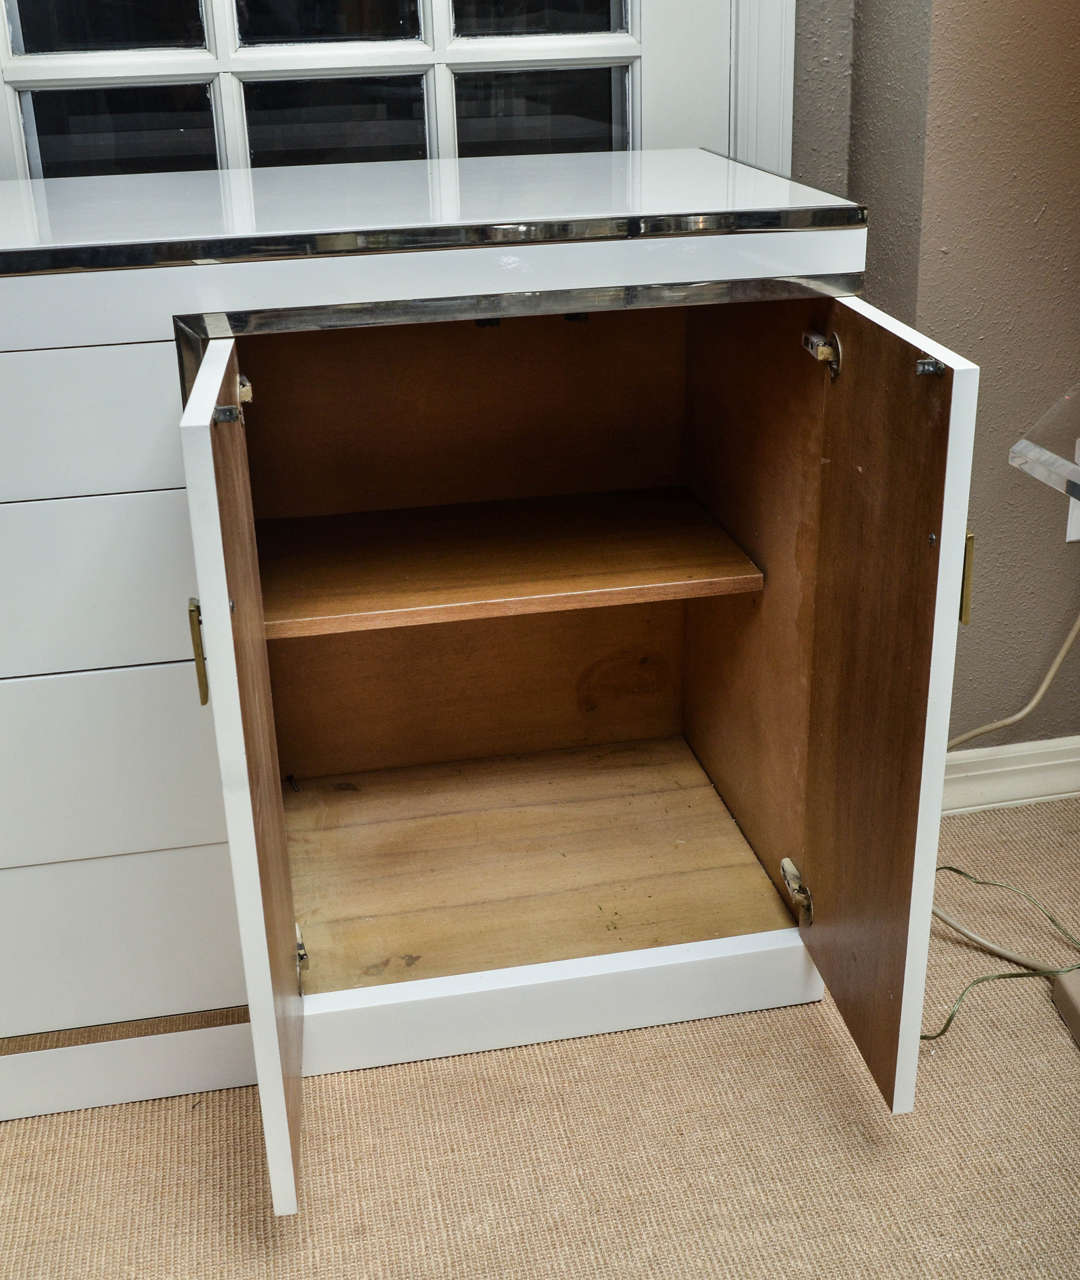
x=503 y=113
x=335 y=121
x=138 y=129
x=537 y=17
x=50 y=25
x=273 y=21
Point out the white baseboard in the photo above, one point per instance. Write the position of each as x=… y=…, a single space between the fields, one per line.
x=1020 y=773
x=132 y=1070
x=436 y=1017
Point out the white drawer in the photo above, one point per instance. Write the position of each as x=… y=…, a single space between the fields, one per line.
x=84 y=420
x=95 y=582
x=106 y=762
x=112 y=939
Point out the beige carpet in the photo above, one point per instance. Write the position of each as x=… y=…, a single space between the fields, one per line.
x=742 y=1146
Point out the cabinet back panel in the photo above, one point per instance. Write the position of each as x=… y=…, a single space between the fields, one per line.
x=421 y=415
x=455 y=691
x=757 y=420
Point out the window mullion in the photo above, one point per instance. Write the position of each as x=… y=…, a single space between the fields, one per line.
x=230 y=122
x=543 y=51
x=298 y=61
x=219 y=20
x=128 y=66
x=13 y=159
x=443 y=105
x=442 y=25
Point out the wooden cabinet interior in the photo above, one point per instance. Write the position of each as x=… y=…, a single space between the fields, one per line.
x=486 y=766
x=543 y=606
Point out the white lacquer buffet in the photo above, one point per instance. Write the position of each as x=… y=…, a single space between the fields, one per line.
x=530 y=582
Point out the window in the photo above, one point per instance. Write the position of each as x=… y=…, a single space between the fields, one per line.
x=123 y=86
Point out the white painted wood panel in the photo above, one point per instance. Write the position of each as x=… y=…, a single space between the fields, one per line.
x=276 y=1014
x=405 y=1021
x=111 y=939
x=942 y=662
x=95 y=1075
x=89 y=420
x=106 y=762
x=1016 y=773
x=95 y=582
x=762 y=82
x=137 y=306
x=685 y=75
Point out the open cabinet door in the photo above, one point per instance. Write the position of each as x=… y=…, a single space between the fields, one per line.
x=896 y=461
x=230 y=599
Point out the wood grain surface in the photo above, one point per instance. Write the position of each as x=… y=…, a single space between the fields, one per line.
x=415 y=695
x=757 y=425
x=459 y=868
x=479 y=560
x=883 y=466
x=264 y=775
x=427 y=414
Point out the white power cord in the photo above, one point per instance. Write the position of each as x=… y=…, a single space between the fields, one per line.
x=1055 y=667
x=1031 y=968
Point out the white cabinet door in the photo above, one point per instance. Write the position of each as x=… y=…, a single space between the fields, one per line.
x=897 y=445
x=223 y=529
x=95 y=582
x=105 y=762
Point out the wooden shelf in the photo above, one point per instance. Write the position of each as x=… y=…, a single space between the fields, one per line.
x=327 y=574
x=457 y=868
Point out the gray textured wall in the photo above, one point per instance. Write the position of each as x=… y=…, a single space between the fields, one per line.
x=964 y=141
x=890 y=78
x=821 y=129
x=998 y=279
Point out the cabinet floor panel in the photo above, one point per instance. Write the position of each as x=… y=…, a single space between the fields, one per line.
x=457 y=868
x=327 y=574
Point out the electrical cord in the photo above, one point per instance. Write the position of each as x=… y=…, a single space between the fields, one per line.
x=984 y=944
x=1047 y=680
x=1033 y=969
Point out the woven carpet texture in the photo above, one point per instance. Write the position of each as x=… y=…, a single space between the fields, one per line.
x=746 y=1146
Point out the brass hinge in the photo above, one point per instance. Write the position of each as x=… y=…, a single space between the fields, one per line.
x=247 y=392
x=965 y=587
x=800 y=894
x=825 y=351
x=302 y=960
x=194 y=614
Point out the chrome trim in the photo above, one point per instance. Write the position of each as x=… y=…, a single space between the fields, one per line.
x=193 y=332
x=255 y=248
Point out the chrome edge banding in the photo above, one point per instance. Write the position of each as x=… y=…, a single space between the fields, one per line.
x=232 y=249
x=193 y=332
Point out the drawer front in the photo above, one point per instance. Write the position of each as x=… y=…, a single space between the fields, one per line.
x=79 y=307
x=95 y=582
x=111 y=939
x=85 y=420
x=106 y=762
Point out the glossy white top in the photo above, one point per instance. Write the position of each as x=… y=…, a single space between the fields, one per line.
x=58 y=213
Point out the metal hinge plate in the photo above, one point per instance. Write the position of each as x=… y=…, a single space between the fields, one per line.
x=194 y=614
x=825 y=351
x=227 y=413
x=965 y=587
x=302 y=960
x=800 y=894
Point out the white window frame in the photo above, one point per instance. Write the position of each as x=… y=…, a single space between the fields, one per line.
x=712 y=73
